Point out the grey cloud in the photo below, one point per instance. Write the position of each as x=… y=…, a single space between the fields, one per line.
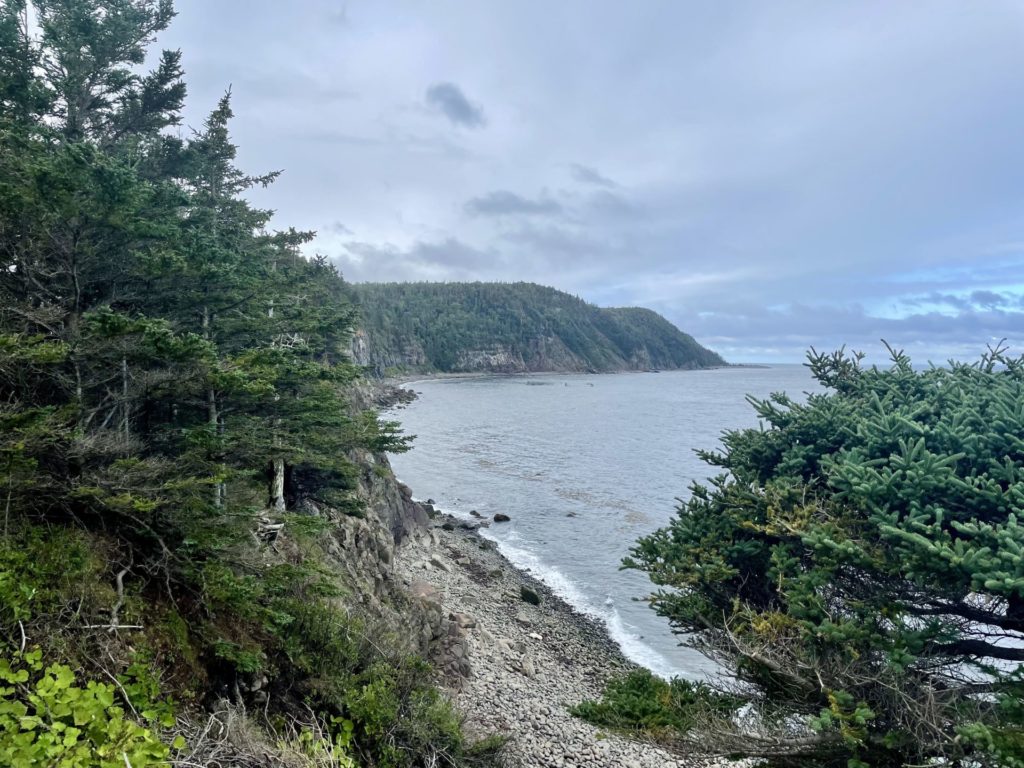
x=751 y=186
x=505 y=203
x=338 y=228
x=449 y=99
x=586 y=175
x=608 y=203
x=982 y=299
x=562 y=244
x=989 y=299
x=936 y=299
x=736 y=331
x=448 y=259
x=287 y=85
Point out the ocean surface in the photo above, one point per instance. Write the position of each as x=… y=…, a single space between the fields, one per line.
x=584 y=465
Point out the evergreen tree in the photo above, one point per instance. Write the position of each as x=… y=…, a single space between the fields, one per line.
x=179 y=424
x=859 y=566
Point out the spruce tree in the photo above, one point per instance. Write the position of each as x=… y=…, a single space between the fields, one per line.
x=859 y=568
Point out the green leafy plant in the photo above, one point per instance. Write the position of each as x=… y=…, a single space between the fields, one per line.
x=48 y=718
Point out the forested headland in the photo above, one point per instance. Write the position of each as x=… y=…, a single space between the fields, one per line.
x=512 y=328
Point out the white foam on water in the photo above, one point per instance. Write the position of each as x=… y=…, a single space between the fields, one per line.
x=623 y=635
x=636 y=650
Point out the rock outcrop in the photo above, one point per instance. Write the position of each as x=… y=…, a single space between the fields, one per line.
x=364 y=552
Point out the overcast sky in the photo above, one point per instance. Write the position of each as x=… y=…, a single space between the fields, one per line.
x=768 y=175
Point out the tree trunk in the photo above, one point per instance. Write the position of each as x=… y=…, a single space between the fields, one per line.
x=213 y=419
x=277 y=485
x=212 y=416
x=125 y=436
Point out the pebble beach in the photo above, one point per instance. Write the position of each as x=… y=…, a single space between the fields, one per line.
x=526 y=664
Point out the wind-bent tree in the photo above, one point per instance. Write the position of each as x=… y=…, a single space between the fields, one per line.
x=859 y=566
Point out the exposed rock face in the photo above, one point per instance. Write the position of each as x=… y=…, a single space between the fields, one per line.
x=364 y=552
x=360 y=348
x=542 y=353
x=409 y=356
x=497 y=360
x=640 y=360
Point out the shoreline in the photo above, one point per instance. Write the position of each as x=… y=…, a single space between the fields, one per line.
x=412 y=378
x=394 y=391
x=527 y=664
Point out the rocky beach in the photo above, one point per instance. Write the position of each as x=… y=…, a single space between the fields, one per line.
x=516 y=656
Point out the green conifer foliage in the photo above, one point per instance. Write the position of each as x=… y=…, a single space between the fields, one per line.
x=165 y=358
x=859 y=566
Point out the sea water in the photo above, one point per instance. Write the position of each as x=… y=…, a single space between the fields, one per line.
x=583 y=465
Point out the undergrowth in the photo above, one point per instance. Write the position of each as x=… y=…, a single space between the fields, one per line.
x=325 y=685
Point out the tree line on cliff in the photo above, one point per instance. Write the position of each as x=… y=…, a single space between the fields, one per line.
x=174 y=387
x=455 y=326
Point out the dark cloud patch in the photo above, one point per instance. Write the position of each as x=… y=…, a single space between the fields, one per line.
x=505 y=203
x=936 y=299
x=981 y=299
x=337 y=228
x=449 y=100
x=584 y=174
x=989 y=299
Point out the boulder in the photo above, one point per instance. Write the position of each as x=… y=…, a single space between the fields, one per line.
x=524 y=620
x=463 y=620
x=423 y=590
x=501 y=517
x=526 y=665
x=529 y=595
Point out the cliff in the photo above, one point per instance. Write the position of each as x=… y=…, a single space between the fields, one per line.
x=512 y=328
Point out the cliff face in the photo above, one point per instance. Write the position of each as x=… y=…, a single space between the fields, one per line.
x=544 y=353
x=406 y=355
x=512 y=328
x=364 y=552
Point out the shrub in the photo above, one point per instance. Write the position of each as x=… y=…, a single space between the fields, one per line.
x=41 y=571
x=641 y=702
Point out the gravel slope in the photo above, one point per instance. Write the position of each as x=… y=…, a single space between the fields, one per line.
x=528 y=663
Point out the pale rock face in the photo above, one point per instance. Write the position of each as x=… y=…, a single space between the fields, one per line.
x=365 y=353
x=360 y=348
x=498 y=360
